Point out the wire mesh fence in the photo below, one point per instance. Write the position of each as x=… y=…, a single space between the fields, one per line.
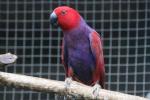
x=125 y=25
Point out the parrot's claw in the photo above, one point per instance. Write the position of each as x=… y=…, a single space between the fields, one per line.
x=68 y=82
x=96 y=90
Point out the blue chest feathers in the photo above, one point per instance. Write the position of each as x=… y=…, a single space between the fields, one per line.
x=80 y=57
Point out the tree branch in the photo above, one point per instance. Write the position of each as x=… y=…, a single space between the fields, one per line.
x=44 y=85
x=7 y=58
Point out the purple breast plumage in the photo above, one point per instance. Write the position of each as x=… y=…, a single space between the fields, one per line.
x=80 y=57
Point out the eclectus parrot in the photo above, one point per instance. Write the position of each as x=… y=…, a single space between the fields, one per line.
x=82 y=52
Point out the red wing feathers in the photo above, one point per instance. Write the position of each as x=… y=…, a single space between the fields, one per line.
x=97 y=50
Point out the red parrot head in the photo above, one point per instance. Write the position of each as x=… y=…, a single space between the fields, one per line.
x=65 y=17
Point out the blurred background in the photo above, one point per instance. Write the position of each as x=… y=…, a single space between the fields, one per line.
x=125 y=24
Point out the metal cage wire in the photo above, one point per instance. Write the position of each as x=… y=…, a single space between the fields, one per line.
x=125 y=24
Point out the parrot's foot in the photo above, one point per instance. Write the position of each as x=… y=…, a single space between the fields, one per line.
x=96 y=90
x=68 y=82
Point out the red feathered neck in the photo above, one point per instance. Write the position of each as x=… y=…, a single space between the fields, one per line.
x=68 y=18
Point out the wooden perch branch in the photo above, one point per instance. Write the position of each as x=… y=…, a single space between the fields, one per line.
x=7 y=58
x=44 y=85
x=76 y=89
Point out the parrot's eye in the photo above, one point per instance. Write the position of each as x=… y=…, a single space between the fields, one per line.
x=63 y=12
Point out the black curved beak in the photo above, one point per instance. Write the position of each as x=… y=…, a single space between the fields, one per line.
x=53 y=19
